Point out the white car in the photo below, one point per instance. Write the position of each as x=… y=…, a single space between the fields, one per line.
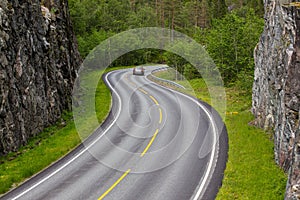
x=138 y=71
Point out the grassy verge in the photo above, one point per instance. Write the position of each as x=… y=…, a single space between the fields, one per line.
x=251 y=172
x=50 y=145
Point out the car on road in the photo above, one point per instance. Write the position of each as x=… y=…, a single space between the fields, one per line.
x=138 y=71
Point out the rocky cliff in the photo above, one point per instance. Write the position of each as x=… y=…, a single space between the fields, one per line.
x=38 y=62
x=276 y=89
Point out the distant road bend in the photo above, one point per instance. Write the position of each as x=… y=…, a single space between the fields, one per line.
x=148 y=148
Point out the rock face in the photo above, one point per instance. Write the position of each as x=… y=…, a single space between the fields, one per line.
x=38 y=62
x=276 y=89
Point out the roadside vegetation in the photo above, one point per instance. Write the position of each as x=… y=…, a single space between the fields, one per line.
x=251 y=172
x=227 y=29
x=51 y=144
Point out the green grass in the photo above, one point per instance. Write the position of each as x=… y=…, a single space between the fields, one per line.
x=251 y=172
x=167 y=74
x=41 y=151
x=51 y=144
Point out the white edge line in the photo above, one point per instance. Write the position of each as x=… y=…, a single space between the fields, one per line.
x=209 y=168
x=84 y=150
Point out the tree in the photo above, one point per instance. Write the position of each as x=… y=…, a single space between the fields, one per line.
x=231 y=42
x=228 y=36
x=78 y=15
x=190 y=72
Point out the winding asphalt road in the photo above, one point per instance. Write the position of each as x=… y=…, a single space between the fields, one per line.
x=156 y=144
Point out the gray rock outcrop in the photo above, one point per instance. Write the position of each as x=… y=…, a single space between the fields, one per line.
x=276 y=89
x=38 y=62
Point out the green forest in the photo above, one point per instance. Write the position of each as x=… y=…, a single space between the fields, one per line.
x=229 y=30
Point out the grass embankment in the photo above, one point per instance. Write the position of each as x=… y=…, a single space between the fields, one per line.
x=251 y=172
x=50 y=145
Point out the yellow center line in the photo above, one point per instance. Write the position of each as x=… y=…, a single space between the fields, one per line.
x=115 y=184
x=143 y=91
x=150 y=143
x=130 y=82
x=153 y=99
x=160 y=115
x=133 y=84
x=145 y=150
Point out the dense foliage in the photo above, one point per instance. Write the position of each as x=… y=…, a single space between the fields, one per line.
x=231 y=41
x=229 y=30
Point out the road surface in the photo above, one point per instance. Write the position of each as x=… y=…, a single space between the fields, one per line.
x=155 y=144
